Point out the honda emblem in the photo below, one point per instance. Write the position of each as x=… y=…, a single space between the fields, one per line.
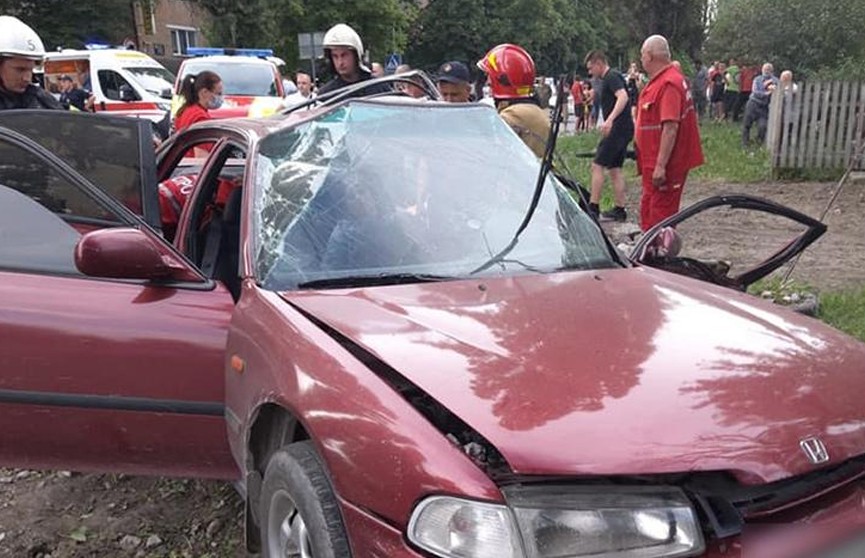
x=815 y=450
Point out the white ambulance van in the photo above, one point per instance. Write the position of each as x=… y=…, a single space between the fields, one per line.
x=123 y=82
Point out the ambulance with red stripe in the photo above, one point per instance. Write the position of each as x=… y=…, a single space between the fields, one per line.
x=251 y=81
x=123 y=82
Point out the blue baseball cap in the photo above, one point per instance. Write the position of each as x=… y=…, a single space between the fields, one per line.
x=454 y=72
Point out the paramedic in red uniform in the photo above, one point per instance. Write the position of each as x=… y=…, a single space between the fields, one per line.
x=667 y=135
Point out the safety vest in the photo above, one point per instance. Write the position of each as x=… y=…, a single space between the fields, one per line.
x=687 y=151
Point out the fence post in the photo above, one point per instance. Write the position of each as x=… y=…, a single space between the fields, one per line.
x=840 y=149
x=775 y=125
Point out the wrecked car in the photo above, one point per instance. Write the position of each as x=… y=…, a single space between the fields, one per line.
x=396 y=341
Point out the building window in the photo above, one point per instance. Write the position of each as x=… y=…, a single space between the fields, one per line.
x=182 y=39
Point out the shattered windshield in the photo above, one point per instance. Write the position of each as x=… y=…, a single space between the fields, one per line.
x=373 y=190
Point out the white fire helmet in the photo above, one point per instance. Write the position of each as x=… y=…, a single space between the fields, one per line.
x=19 y=40
x=341 y=35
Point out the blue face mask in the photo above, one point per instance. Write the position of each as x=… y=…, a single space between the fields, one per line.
x=215 y=102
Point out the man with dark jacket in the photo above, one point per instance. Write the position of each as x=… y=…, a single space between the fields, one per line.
x=343 y=51
x=21 y=50
x=71 y=95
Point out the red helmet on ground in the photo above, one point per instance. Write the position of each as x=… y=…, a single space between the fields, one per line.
x=511 y=71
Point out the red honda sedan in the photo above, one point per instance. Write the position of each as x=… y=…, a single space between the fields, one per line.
x=396 y=341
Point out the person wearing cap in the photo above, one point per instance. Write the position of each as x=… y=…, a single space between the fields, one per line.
x=71 y=97
x=511 y=74
x=454 y=82
x=343 y=51
x=21 y=50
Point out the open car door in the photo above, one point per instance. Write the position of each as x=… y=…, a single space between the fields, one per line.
x=113 y=153
x=103 y=366
x=725 y=250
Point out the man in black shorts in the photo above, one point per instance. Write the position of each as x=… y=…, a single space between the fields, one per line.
x=617 y=131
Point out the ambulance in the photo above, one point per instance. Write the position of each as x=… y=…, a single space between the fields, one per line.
x=123 y=82
x=250 y=78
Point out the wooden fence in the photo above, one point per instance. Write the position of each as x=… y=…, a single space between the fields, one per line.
x=817 y=125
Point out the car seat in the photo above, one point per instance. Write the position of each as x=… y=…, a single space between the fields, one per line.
x=222 y=246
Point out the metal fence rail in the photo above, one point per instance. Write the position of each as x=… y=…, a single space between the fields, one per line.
x=816 y=125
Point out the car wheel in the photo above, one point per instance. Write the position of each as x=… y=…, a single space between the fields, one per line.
x=300 y=517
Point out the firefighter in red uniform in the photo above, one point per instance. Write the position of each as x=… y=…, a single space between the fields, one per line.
x=667 y=135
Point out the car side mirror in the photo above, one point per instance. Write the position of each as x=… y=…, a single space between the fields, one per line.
x=120 y=253
x=127 y=94
x=166 y=93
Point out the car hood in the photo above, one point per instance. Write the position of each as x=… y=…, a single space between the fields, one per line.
x=630 y=371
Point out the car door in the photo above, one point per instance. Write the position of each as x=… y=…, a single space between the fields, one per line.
x=753 y=245
x=100 y=374
x=114 y=153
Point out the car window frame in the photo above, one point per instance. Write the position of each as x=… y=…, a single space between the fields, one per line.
x=145 y=157
x=127 y=218
x=170 y=156
x=814 y=230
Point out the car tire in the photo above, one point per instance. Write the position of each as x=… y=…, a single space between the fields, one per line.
x=299 y=514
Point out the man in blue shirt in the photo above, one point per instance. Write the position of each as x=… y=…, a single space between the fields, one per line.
x=757 y=109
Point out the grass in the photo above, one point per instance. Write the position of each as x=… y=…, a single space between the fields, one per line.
x=845 y=310
x=726 y=160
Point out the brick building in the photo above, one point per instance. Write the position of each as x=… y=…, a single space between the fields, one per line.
x=166 y=28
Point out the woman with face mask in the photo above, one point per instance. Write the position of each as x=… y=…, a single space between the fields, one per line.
x=201 y=93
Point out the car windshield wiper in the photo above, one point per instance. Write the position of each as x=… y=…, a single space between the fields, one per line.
x=373 y=280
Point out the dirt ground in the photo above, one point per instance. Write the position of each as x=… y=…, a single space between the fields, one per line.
x=70 y=515
x=836 y=261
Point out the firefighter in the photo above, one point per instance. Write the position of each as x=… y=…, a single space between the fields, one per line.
x=21 y=50
x=343 y=51
x=511 y=74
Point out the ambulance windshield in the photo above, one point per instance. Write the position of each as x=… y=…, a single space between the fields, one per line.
x=156 y=80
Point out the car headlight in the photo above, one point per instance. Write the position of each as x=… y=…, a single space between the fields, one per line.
x=453 y=527
x=561 y=522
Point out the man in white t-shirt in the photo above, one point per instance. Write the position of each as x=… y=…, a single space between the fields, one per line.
x=304 y=90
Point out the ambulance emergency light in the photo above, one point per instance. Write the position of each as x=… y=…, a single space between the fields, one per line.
x=216 y=51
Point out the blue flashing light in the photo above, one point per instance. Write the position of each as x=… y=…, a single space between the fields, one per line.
x=217 y=51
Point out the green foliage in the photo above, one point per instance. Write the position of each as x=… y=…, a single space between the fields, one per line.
x=247 y=23
x=807 y=36
x=66 y=24
x=845 y=310
x=557 y=33
x=383 y=25
x=682 y=22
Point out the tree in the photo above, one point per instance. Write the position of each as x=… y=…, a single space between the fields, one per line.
x=809 y=36
x=247 y=23
x=60 y=23
x=682 y=22
x=382 y=24
x=555 y=32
